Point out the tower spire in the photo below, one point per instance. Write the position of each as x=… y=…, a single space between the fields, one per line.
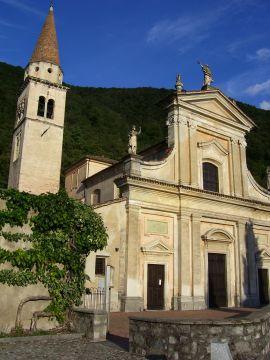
x=47 y=45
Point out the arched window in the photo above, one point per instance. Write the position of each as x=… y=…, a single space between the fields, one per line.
x=41 y=106
x=96 y=197
x=210 y=177
x=50 y=109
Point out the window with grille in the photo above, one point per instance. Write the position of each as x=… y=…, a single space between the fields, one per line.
x=100 y=266
x=210 y=177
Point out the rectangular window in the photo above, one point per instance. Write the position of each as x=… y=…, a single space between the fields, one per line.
x=75 y=180
x=17 y=149
x=100 y=266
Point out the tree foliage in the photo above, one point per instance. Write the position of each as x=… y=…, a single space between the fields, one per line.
x=97 y=122
x=63 y=233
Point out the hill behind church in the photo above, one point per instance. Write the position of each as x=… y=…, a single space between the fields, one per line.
x=98 y=120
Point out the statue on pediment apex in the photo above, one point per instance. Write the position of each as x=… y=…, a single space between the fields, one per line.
x=207 y=72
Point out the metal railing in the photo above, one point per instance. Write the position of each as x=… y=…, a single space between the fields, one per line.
x=94 y=299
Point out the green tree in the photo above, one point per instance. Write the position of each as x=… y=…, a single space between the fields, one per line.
x=63 y=233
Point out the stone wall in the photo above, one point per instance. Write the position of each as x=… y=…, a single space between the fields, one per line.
x=248 y=337
x=92 y=323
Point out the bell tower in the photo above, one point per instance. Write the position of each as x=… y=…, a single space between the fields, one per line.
x=35 y=163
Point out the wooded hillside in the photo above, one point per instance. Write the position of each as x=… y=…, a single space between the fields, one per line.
x=98 y=121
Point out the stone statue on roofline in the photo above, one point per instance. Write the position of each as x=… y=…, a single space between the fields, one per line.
x=132 y=140
x=179 y=83
x=208 y=76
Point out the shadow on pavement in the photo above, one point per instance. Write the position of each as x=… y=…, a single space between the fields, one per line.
x=121 y=342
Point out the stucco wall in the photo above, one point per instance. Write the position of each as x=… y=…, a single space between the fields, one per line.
x=12 y=296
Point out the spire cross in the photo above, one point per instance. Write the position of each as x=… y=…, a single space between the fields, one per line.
x=51 y=4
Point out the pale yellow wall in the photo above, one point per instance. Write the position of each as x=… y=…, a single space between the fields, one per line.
x=108 y=190
x=74 y=178
x=114 y=217
x=12 y=296
x=37 y=170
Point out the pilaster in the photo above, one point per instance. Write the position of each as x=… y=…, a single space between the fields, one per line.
x=243 y=160
x=193 y=154
x=197 y=266
x=184 y=151
x=185 y=300
x=252 y=268
x=237 y=170
x=247 y=266
x=132 y=300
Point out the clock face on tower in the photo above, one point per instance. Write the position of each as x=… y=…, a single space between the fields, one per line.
x=20 y=110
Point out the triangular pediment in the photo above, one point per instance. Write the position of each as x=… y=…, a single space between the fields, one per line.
x=215 y=145
x=263 y=254
x=155 y=248
x=215 y=104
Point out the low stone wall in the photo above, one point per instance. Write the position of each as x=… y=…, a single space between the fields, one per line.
x=92 y=323
x=248 y=337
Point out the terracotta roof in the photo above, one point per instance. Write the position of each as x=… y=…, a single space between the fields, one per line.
x=47 y=45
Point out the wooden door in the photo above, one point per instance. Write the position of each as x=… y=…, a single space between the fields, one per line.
x=155 y=287
x=217 y=283
x=263 y=286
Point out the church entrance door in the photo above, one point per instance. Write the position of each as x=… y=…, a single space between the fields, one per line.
x=155 y=287
x=217 y=284
x=263 y=286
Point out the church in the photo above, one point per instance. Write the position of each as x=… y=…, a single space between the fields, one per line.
x=188 y=226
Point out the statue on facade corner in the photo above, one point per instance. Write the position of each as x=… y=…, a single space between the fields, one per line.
x=132 y=140
x=179 y=83
x=208 y=76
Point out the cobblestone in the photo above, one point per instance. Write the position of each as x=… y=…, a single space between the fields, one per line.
x=63 y=349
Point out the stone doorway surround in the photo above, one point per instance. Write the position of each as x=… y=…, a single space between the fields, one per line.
x=220 y=241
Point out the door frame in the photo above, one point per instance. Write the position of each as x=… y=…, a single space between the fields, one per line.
x=258 y=285
x=228 y=275
x=166 y=282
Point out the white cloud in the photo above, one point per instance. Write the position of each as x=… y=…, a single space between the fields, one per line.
x=265 y=105
x=256 y=89
x=9 y=24
x=193 y=29
x=260 y=55
x=179 y=29
x=20 y=5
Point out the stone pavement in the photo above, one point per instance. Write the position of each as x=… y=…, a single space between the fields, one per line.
x=74 y=347
x=61 y=348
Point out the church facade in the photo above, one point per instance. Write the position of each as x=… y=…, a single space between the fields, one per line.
x=188 y=225
x=189 y=228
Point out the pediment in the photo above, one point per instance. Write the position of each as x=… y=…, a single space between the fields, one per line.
x=216 y=104
x=263 y=254
x=156 y=248
x=214 y=144
x=218 y=235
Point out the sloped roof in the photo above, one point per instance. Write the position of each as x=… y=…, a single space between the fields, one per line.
x=47 y=45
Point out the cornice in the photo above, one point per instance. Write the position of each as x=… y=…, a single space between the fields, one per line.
x=37 y=80
x=178 y=188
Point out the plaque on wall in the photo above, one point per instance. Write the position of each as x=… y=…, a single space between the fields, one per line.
x=157 y=227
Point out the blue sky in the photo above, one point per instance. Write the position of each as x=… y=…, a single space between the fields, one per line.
x=132 y=43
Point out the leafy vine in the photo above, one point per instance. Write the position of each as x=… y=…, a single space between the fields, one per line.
x=62 y=234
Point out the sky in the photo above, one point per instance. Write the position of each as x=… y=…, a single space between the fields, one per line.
x=137 y=43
